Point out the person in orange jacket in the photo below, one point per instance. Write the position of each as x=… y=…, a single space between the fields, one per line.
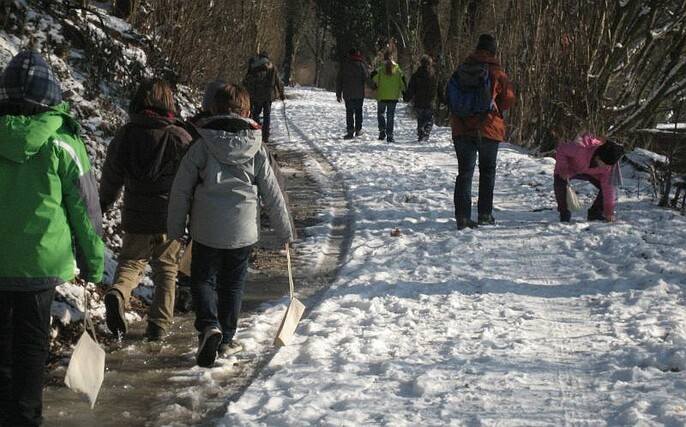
x=480 y=135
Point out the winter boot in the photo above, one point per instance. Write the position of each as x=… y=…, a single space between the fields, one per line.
x=593 y=215
x=565 y=216
x=208 y=344
x=486 y=220
x=154 y=332
x=382 y=135
x=463 y=223
x=114 y=312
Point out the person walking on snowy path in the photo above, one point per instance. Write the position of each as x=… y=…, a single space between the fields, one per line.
x=480 y=134
x=143 y=158
x=350 y=85
x=219 y=186
x=390 y=82
x=54 y=221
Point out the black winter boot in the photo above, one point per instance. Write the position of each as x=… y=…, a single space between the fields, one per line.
x=594 y=215
x=565 y=216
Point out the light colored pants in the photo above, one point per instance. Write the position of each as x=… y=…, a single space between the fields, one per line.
x=137 y=251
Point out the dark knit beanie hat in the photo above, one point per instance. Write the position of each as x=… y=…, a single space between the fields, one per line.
x=29 y=78
x=610 y=152
x=486 y=42
x=210 y=91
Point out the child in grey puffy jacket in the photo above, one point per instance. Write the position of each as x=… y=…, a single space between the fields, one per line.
x=219 y=185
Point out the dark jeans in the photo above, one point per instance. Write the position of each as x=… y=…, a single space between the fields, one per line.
x=353 y=114
x=261 y=112
x=217 y=282
x=385 y=115
x=560 y=187
x=425 y=122
x=24 y=341
x=467 y=148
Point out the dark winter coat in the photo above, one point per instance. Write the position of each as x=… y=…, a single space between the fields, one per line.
x=493 y=125
x=263 y=81
x=423 y=88
x=143 y=158
x=352 y=77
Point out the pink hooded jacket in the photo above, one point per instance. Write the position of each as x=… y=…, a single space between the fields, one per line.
x=574 y=158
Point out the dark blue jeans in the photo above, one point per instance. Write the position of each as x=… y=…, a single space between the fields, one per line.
x=24 y=341
x=385 y=115
x=262 y=113
x=217 y=283
x=467 y=148
x=353 y=114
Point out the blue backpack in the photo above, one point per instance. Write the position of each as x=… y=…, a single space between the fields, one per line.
x=469 y=90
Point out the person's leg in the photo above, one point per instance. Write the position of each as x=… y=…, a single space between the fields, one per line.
x=164 y=263
x=6 y=326
x=256 y=111
x=133 y=259
x=488 y=156
x=560 y=189
x=349 y=116
x=381 y=118
x=595 y=212
x=205 y=262
x=357 y=106
x=390 y=120
x=266 y=120
x=428 y=120
x=30 y=342
x=465 y=148
x=230 y=285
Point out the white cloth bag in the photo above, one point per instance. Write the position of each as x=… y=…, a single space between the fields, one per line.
x=573 y=203
x=294 y=311
x=86 y=369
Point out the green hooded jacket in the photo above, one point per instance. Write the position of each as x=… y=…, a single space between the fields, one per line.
x=51 y=215
x=390 y=87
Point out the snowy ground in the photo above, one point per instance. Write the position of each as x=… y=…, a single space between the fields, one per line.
x=527 y=323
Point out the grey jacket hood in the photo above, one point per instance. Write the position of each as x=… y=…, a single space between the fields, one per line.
x=231 y=139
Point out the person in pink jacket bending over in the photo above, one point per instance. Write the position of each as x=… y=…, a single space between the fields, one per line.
x=593 y=159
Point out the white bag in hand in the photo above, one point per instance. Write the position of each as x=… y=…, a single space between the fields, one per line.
x=86 y=369
x=573 y=203
x=293 y=313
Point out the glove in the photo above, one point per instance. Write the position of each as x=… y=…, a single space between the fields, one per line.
x=338 y=98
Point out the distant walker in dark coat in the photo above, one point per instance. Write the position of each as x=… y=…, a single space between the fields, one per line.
x=422 y=92
x=264 y=85
x=352 y=78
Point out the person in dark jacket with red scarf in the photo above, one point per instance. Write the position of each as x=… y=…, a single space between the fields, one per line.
x=352 y=78
x=423 y=92
x=480 y=135
x=143 y=158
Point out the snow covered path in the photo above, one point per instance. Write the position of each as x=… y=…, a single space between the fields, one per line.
x=525 y=323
